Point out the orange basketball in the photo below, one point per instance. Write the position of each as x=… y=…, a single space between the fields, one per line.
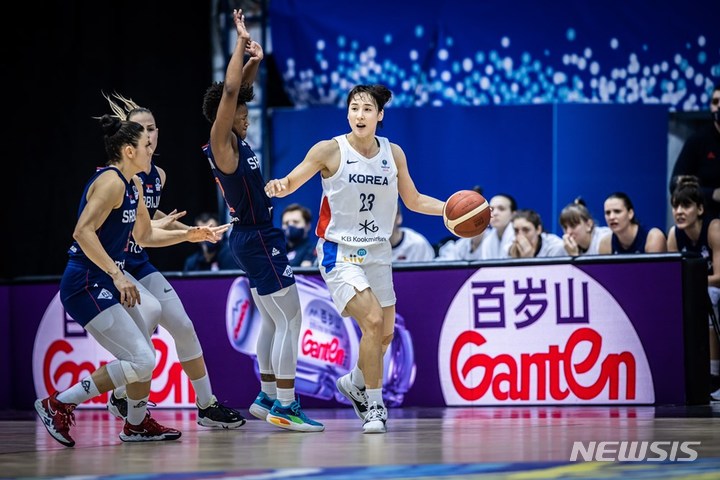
x=466 y=213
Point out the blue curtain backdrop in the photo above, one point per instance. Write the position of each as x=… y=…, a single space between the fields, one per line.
x=575 y=95
x=473 y=52
x=543 y=155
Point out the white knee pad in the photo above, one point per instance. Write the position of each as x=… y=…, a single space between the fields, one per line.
x=143 y=366
x=117 y=374
x=139 y=367
x=123 y=372
x=125 y=338
x=284 y=308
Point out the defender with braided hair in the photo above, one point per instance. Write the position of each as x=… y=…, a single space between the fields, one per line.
x=257 y=245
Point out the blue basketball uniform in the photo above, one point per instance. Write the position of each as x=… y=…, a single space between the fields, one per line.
x=257 y=246
x=638 y=245
x=684 y=244
x=85 y=289
x=137 y=262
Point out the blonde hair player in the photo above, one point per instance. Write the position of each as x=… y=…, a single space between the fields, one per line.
x=168 y=311
x=98 y=295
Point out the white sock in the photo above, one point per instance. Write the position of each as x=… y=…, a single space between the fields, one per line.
x=136 y=410
x=270 y=389
x=286 y=396
x=375 y=395
x=82 y=391
x=357 y=377
x=715 y=367
x=203 y=391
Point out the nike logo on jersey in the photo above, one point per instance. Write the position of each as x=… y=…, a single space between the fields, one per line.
x=105 y=295
x=288 y=272
x=166 y=290
x=350 y=163
x=275 y=252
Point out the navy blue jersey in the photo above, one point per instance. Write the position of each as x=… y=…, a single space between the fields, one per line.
x=257 y=246
x=684 y=244
x=638 y=245
x=152 y=188
x=244 y=189
x=136 y=255
x=115 y=231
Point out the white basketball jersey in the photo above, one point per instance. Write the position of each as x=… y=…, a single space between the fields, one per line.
x=360 y=201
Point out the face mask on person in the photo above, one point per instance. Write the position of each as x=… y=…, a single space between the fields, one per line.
x=294 y=234
x=211 y=247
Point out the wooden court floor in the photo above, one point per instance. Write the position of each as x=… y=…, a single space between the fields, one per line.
x=481 y=442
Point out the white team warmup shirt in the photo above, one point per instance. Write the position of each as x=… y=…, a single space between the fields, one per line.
x=413 y=247
x=552 y=246
x=598 y=234
x=493 y=247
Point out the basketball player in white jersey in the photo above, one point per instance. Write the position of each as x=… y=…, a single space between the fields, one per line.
x=362 y=175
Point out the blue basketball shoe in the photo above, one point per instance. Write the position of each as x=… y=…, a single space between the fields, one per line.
x=261 y=406
x=292 y=418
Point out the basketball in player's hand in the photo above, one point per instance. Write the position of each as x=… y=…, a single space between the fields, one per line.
x=466 y=213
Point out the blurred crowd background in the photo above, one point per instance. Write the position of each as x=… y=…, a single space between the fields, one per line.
x=592 y=99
